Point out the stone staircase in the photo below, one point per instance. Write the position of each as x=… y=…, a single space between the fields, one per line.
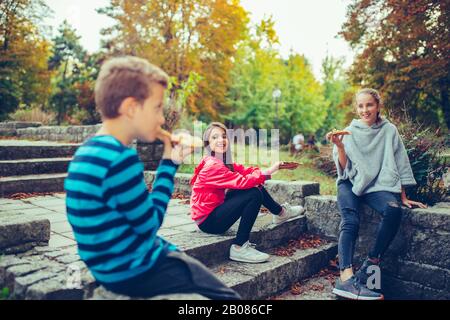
x=41 y=166
x=33 y=166
x=416 y=265
x=32 y=267
x=34 y=270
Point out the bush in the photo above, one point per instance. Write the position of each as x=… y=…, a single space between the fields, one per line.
x=324 y=160
x=425 y=148
x=33 y=115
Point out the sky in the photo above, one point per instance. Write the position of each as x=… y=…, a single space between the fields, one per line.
x=308 y=27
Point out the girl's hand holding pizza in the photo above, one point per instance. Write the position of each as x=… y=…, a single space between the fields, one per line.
x=336 y=137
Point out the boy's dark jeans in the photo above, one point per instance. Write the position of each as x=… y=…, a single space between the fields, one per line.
x=244 y=204
x=388 y=204
x=175 y=273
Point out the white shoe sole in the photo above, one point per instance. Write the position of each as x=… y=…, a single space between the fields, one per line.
x=248 y=261
x=349 y=295
x=289 y=219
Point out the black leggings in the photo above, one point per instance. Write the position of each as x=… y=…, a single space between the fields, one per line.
x=244 y=204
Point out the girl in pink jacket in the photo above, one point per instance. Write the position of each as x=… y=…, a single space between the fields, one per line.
x=223 y=192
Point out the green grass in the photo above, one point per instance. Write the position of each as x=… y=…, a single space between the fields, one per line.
x=306 y=172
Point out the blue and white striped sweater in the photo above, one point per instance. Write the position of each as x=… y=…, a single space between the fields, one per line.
x=113 y=216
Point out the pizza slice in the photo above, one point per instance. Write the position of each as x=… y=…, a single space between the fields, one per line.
x=184 y=139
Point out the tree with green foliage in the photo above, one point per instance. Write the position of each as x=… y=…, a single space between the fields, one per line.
x=253 y=78
x=335 y=87
x=258 y=71
x=68 y=63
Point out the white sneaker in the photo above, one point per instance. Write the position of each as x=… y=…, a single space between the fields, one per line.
x=247 y=253
x=290 y=212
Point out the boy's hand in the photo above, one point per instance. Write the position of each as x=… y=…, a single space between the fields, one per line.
x=165 y=138
x=175 y=153
x=179 y=152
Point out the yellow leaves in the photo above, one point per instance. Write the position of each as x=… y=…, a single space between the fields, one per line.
x=182 y=37
x=267 y=28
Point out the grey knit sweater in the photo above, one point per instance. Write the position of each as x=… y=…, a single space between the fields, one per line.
x=376 y=158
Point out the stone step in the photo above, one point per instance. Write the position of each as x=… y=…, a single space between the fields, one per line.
x=260 y=281
x=19 y=233
x=41 y=273
x=23 y=149
x=45 y=273
x=32 y=183
x=214 y=249
x=317 y=287
x=416 y=265
x=33 y=166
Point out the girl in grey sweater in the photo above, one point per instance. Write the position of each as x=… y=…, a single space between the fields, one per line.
x=373 y=167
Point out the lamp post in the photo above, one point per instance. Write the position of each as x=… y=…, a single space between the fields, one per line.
x=276 y=95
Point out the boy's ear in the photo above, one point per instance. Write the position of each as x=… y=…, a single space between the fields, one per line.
x=128 y=107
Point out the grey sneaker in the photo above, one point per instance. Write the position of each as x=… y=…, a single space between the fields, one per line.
x=352 y=289
x=247 y=253
x=290 y=212
x=361 y=274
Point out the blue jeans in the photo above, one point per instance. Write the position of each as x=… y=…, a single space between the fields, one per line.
x=388 y=204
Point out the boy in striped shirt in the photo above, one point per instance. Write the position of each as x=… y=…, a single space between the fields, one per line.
x=114 y=218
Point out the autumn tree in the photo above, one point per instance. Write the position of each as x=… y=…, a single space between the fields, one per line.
x=403 y=50
x=182 y=36
x=24 y=75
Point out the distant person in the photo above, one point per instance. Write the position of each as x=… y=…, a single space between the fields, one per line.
x=311 y=143
x=298 y=143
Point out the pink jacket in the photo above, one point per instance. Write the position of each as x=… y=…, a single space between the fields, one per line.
x=211 y=178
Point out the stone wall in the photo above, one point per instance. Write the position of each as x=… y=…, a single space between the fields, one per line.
x=293 y=192
x=58 y=133
x=9 y=129
x=417 y=265
x=150 y=153
x=36 y=131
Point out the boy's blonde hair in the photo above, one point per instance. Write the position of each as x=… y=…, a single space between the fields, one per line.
x=124 y=77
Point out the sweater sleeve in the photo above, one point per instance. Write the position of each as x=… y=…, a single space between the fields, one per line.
x=402 y=161
x=345 y=173
x=219 y=176
x=127 y=192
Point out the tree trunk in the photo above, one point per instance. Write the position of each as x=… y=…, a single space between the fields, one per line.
x=445 y=101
